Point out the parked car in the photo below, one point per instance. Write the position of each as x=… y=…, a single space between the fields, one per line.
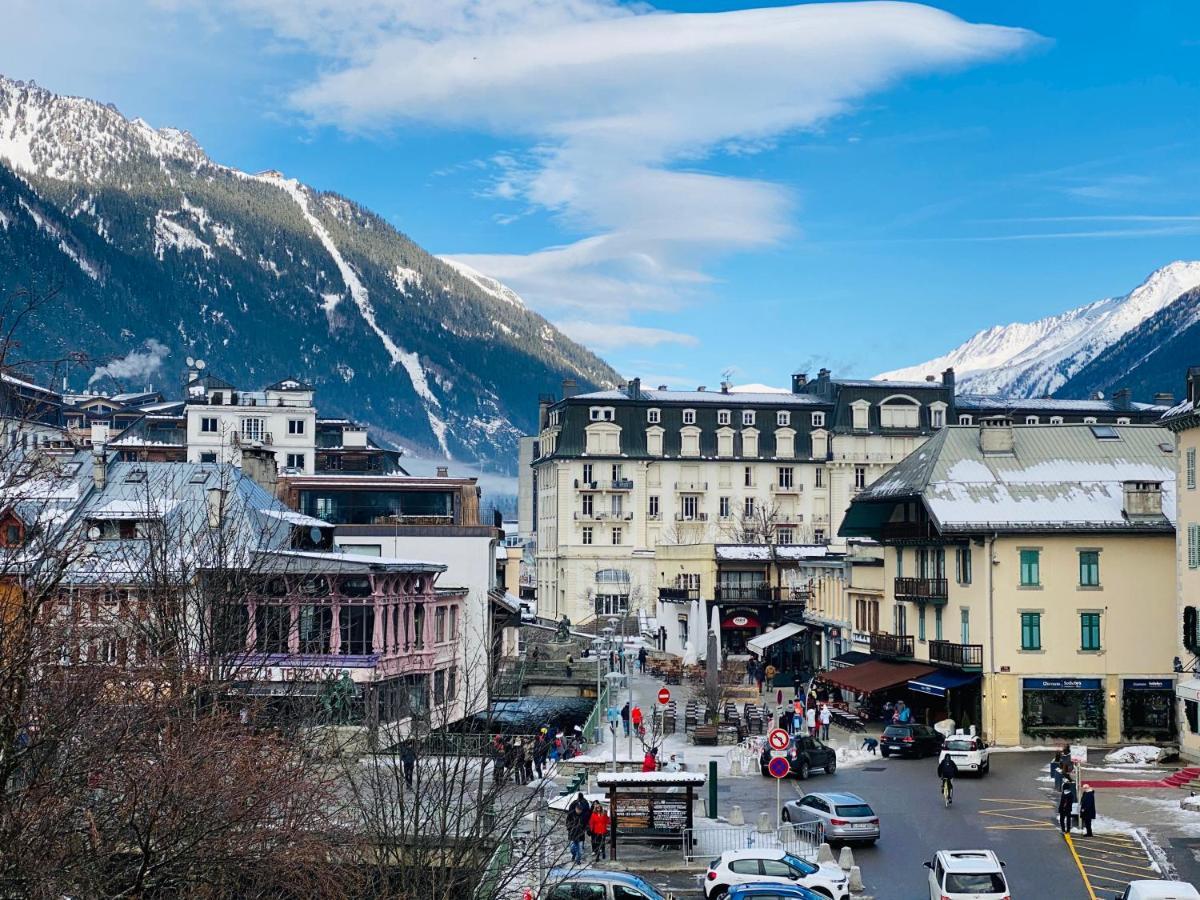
x=596 y=884
x=804 y=754
x=766 y=891
x=1153 y=889
x=527 y=613
x=764 y=865
x=846 y=818
x=910 y=740
x=967 y=875
x=970 y=753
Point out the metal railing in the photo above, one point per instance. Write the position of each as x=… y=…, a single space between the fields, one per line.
x=596 y=717
x=762 y=593
x=691 y=487
x=692 y=517
x=964 y=656
x=802 y=839
x=921 y=589
x=678 y=595
x=899 y=645
x=787 y=488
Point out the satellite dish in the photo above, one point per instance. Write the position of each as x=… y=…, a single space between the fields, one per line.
x=200 y=364
x=314 y=534
x=93 y=533
x=191 y=362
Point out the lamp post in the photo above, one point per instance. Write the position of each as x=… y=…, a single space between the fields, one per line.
x=614 y=679
x=628 y=682
x=597 y=648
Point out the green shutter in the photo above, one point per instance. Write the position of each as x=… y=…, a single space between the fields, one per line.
x=1089 y=628
x=1031 y=631
x=1030 y=574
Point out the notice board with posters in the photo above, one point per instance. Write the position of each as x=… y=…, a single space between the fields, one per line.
x=650 y=813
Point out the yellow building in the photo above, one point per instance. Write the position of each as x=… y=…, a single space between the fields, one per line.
x=1031 y=569
x=1184 y=420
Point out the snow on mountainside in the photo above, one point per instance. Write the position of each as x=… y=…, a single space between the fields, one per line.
x=263 y=277
x=1034 y=359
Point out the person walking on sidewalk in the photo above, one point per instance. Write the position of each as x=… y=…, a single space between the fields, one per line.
x=636 y=718
x=810 y=720
x=826 y=718
x=598 y=826
x=1087 y=808
x=625 y=718
x=578 y=816
x=1056 y=771
x=1066 y=801
x=771 y=673
x=540 y=750
x=642 y=655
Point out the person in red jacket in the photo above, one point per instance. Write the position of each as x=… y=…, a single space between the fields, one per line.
x=598 y=826
x=650 y=761
x=636 y=715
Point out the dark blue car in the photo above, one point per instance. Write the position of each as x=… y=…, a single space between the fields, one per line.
x=765 y=891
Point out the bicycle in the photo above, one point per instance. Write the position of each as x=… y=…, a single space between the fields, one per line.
x=947 y=791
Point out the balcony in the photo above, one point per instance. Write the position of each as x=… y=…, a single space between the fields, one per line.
x=678 y=595
x=761 y=593
x=586 y=485
x=620 y=484
x=604 y=516
x=691 y=487
x=691 y=517
x=787 y=488
x=897 y=646
x=921 y=590
x=963 y=656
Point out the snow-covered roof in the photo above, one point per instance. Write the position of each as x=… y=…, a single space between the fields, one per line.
x=660 y=779
x=749 y=552
x=1049 y=404
x=716 y=398
x=294 y=518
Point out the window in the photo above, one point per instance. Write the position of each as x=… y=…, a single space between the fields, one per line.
x=654 y=441
x=1105 y=433
x=858 y=414
x=819 y=475
x=1056 y=420
x=1089 y=631
x=439 y=687
x=860 y=477
x=900 y=619
x=725 y=443
x=1193 y=545
x=253 y=429
x=616 y=536
x=785 y=536
x=587 y=534
x=937 y=623
x=587 y=473
x=602 y=413
x=1089 y=568
x=819 y=535
x=723 y=417
x=295 y=426
x=748 y=476
x=866 y=615
x=208 y=425
x=1190 y=456
x=747 y=417
x=962 y=565
x=964 y=420
x=295 y=460
x=899 y=414
x=783 y=418
x=654 y=416
x=1122 y=420
x=689 y=417
x=1089 y=420
x=1031 y=631
x=12 y=535
x=208 y=457
x=618 y=472
x=785 y=475
x=691 y=506
x=1032 y=420
x=452 y=683
x=748 y=507
x=454 y=623
x=1031 y=568
x=937 y=417
x=439 y=625
x=921 y=622
x=965 y=626
x=689 y=441
x=652 y=509
x=588 y=504
x=723 y=507
x=818 y=420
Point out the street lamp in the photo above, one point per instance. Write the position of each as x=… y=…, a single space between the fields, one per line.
x=614 y=681
x=598 y=644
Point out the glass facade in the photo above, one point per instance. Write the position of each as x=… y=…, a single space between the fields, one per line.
x=371 y=507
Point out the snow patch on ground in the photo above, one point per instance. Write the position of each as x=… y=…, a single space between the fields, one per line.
x=51 y=229
x=403 y=278
x=1137 y=754
x=488 y=285
x=170 y=234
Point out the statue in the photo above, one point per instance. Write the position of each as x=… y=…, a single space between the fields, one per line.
x=562 y=633
x=337 y=698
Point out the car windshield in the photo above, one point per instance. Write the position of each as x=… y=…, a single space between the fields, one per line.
x=851 y=810
x=645 y=887
x=897 y=731
x=960 y=745
x=974 y=883
x=797 y=863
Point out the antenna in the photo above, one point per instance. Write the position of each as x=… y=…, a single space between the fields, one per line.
x=727 y=375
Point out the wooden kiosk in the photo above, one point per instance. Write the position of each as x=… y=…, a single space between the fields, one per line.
x=649 y=805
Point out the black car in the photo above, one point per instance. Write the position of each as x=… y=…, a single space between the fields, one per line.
x=804 y=754
x=910 y=740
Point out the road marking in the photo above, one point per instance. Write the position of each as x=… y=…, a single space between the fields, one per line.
x=1082 y=872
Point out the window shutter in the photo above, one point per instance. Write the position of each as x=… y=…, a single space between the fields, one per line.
x=1191 y=467
x=1193 y=545
x=1189 y=629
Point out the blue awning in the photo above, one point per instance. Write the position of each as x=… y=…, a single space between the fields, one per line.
x=937 y=683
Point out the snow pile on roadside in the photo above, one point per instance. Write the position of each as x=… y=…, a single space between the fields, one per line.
x=1137 y=754
x=850 y=757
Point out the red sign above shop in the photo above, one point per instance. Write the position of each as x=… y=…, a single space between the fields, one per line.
x=740 y=622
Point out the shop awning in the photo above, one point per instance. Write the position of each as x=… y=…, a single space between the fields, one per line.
x=849 y=658
x=939 y=681
x=782 y=633
x=1188 y=690
x=876 y=675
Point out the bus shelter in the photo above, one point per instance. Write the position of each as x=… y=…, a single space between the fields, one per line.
x=649 y=806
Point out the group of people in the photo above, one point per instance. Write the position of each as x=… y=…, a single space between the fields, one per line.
x=586 y=820
x=632 y=717
x=814 y=721
x=1071 y=805
x=516 y=759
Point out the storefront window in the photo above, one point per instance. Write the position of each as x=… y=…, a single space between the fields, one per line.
x=1148 y=708
x=1191 y=709
x=1063 y=706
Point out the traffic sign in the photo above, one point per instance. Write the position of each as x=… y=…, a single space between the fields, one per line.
x=664 y=696
x=778 y=739
x=779 y=767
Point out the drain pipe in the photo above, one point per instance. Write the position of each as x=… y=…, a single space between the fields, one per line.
x=991 y=564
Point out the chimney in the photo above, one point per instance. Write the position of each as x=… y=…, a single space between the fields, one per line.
x=443 y=471
x=996 y=436
x=799 y=380
x=258 y=464
x=1097 y=395
x=662 y=387
x=570 y=387
x=1143 y=499
x=634 y=390
x=99 y=466
x=948 y=379
x=216 y=506
x=701 y=389
x=99 y=434
x=1123 y=398
x=1164 y=398
x=724 y=387
x=823 y=375
x=354 y=436
x=1193 y=385
x=930 y=379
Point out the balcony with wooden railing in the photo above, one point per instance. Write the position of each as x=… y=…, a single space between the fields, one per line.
x=678 y=594
x=921 y=590
x=761 y=593
x=897 y=646
x=962 y=656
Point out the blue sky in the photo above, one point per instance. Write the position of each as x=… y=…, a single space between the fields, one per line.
x=692 y=187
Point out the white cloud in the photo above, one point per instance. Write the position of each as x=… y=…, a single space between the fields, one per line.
x=610 y=336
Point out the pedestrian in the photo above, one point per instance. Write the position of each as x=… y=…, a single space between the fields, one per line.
x=903 y=713
x=621 y=658
x=577 y=734
x=642 y=655
x=826 y=719
x=1056 y=771
x=408 y=762
x=578 y=815
x=535 y=654
x=751 y=668
x=636 y=717
x=760 y=673
x=797 y=683
x=497 y=760
x=771 y=673
x=650 y=761
x=625 y=718
x=540 y=751
x=810 y=719
x=779 y=697
x=1065 y=801
x=1087 y=808
x=520 y=761
x=598 y=826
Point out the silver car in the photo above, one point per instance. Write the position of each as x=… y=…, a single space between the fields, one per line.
x=846 y=818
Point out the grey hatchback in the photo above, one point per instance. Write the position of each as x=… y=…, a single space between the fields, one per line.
x=847 y=818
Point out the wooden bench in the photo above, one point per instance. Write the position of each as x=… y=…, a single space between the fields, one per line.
x=705 y=735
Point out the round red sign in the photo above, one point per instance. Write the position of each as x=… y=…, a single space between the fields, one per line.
x=664 y=696
x=779 y=766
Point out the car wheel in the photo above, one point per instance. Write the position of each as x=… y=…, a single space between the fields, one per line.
x=885 y=753
x=718 y=892
x=831 y=766
x=785 y=815
x=870 y=843
x=821 y=892
x=803 y=769
x=985 y=768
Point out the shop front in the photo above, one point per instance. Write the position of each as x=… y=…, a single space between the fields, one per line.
x=738 y=626
x=1148 y=709
x=1063 y=708
x=948 y=694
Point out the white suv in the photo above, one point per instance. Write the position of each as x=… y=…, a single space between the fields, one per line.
x=967 y=875
x=773 y=867
x=970 y=753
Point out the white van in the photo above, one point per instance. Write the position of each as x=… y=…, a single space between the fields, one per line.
x=1159 y=890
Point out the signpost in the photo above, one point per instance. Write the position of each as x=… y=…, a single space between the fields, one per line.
x=664 y=696
x=779 y=767
x=778 y=739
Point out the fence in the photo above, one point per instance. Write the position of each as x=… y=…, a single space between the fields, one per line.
x=596 y=718
x=801 y=839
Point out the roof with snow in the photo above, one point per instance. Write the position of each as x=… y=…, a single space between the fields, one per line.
x=784 y=552
x=1070 y=477
x=715 y=398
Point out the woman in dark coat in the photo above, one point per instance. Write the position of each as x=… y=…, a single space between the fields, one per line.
x=1087 y=808
x=1065 y=801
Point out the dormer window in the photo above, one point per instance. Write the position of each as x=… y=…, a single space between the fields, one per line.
x=1089 y=420
x=783 y=418
x=602 y=413
x=1056 y=420
x=1123 y=420
x=654 y=416
x=1032 y=420
x=747 y=417
x=723 y=417
x=818 y=420
x=689 y=417
x=964 y=420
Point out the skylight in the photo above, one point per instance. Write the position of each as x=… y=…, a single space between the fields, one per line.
x=136 y=476
x=1105 y=433
x=198 y=477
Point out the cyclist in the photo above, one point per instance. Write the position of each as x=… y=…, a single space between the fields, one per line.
x=947 y=770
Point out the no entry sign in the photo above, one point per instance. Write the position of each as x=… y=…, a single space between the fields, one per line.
x=664 y=696
x=779 y=766
x=778 y=739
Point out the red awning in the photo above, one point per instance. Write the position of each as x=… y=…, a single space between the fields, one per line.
x=876 y=675
x=740 y=622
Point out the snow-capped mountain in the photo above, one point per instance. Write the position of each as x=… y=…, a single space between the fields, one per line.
x=149 y=240
x=1034 y=359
